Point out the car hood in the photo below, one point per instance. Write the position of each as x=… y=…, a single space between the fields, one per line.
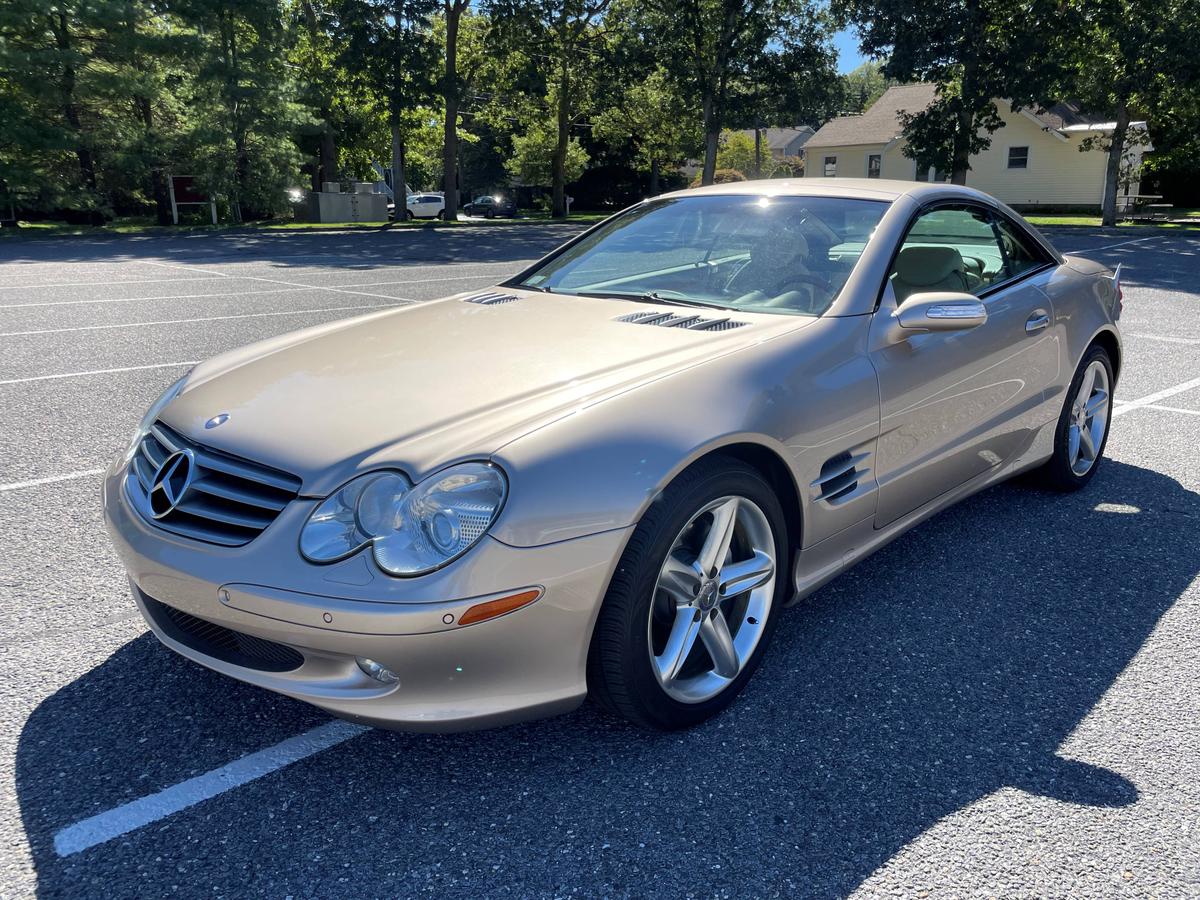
x=426 y=385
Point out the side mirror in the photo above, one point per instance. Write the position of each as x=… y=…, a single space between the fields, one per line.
x=941 y=311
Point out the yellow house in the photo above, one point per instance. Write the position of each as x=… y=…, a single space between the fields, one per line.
x=1035 y=160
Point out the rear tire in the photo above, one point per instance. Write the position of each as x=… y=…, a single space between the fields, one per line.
x=637 y=665
x=1083 y=425
x=408 y=215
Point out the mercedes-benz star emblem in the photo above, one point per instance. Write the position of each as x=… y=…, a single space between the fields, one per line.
x=218 y=419
x=171 y=482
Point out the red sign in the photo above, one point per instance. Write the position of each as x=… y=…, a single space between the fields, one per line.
x=188 y=189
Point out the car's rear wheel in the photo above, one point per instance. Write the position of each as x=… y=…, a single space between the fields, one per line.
x=692 y=605
x=441 y=214
x=408 y=215
x=1082 y=431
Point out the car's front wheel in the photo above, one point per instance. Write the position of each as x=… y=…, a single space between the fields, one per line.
x=692 y=605
x=1082 y=430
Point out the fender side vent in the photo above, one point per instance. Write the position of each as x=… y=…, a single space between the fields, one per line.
x=492 y=298
x=840 y=476
x=678 y=320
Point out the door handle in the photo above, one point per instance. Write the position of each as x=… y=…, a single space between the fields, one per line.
x=1037 y=320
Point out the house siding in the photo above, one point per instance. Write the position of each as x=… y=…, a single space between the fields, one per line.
x=1058 y=173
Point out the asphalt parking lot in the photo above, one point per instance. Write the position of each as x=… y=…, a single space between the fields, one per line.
x=1005 y=702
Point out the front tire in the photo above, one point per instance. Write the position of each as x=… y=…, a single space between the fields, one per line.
x=1082 y=431
x=693 y=603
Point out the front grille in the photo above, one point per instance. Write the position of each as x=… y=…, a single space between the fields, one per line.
x=220 y=642
x=229 y=500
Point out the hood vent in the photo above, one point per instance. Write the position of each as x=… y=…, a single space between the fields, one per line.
x=677 y=320
x=492 y=298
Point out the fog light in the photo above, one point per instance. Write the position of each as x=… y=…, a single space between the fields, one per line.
x=374 y=670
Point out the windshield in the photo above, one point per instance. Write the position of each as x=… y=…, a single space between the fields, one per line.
x=788 y=255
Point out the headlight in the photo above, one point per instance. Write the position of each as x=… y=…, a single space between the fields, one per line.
x=151 y=414
x=411 y=529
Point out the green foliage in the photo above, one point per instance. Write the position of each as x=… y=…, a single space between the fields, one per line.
x=974 y=51
x=736 y=152
x=532 y=160
x=654 y=118
x=862 y=86
x=720 y=176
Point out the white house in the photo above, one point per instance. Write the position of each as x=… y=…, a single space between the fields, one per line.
x=1033 y=161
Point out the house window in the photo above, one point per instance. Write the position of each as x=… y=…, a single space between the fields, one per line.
x=830 y=166
x=1018 y=157
x=874 y=164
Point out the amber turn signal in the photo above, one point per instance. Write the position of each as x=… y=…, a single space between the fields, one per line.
x=481 y=612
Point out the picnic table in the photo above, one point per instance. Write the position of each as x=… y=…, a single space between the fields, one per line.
x=1141 y=207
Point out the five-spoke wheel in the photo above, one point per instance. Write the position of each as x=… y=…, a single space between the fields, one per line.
x=692 y=604
x=712 y=599
x=1082 y=429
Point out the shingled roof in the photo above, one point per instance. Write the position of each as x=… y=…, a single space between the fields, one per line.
x=880 y=123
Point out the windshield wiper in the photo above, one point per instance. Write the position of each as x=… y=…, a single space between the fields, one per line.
x=649 y=297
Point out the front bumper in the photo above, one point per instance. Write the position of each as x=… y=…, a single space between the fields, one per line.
x=526 y=664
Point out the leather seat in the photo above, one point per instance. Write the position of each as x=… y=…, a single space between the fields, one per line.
x=923 y=269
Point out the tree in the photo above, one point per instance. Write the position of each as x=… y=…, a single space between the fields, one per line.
x=1133 y=59
x=974 y=51
x=389 y=48
x=535 y=158
x=243 y=109
x=452 y=13
x=862 y=86
x=656 y=119
x=746 y=61
x=566 y=35
x=741 y=152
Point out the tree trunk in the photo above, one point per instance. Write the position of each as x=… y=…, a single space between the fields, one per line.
x=158 y=181
x=961 y=151
x=757 y=151
x=654 y=190
x=399 y=179
x=87 y=162
x=454 y=10
x=327 y=161
x=1112 y=170
x=712 y=135
x=558 y=164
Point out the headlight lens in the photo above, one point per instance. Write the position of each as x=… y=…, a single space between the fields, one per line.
x=152 y=413
x=411 y=530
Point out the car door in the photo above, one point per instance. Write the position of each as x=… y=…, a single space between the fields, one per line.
x=955 y=404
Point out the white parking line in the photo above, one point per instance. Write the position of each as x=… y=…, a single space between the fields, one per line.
x=1160 y=337
x=84 y=374
x=1173 y=409
x=265 y=280
x=337 y=288
x=53 y=479
x=75 y=284
x=1113 y=246
x=286 y=312
x=123 y=819
x=1152 y=399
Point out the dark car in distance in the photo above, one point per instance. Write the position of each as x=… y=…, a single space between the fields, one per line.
x=490 y=206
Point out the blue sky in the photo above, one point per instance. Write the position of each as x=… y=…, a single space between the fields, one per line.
x=847 y=46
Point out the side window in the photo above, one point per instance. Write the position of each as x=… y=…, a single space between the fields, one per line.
x=830 y=166
x=950 y=248
x=1018 y=157
x=874 y=164
x=1019 y=254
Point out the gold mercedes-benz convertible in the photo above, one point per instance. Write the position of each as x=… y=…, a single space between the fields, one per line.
x=609 y=475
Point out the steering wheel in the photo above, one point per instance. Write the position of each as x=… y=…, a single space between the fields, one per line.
x=761 y=299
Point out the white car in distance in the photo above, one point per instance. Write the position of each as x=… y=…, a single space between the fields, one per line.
x=425 y=206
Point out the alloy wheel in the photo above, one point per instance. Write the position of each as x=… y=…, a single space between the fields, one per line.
x=1089 y=418
x=712 y=599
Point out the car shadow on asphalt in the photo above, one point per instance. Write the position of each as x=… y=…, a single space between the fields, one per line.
x=304 y=249
x=952 y=664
